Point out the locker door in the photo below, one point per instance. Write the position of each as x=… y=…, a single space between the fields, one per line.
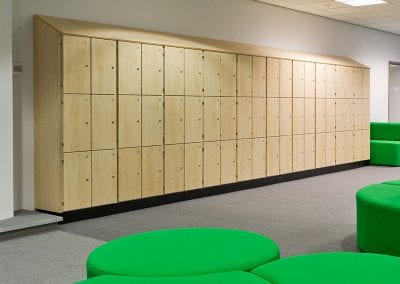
x=366 y=83
x=348 y=82
x=330 y=110
x=77 y=181
x=228 y=118
x=130 y=121
x=174 y=116
x=152 y=120
x=349 y=146
x=358 y=145
x=357 y=114
x=285 y=154
x=193 y=72
x=320 y=116
x=259 y=117
x=366 y=124
x=212 y=70
x=285 y=116
x=366 y=144
x=174 y=168
x=244 y=159
x=285 y=78
x=273 y=117
x=330 y=147
x=320 y=150
x=298 y=79
x=193 y=119
x=330 y=81
x=309 y=125
x=259 y=76
x=129 y=174
x=212 y=113
x=152 y=171
x=244 y=117
x=104 y=116
x=76 y=127
x=298 y=153
x=212 y=163
x=272 y=156
x=244 y=72
x=228 y=74
x=76 y=62
x=340 y=82
x=298 y=116
x=193 y=166
x=104 y=59
x=259 y=158
x=174 y=66
x=357 y=82
x=273 y=77
x=341 y=115
x=228 y=161
x=320 y=81
x=349 y=115
x=152 y=70
x=104 y=177
x=309 y=151
x=309 y=80
x=129 y=68
x=340 y=147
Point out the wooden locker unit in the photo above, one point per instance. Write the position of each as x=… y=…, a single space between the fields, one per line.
x=228 y=118
x=298 y=116
x=174 y=168
x=366 y=144
x=259 y=76
x=358 y=114
x=104 y=122
x=366 y=114
x=273 y=77
x=285 y=78
x=174 y=66
x=358 y=145
x=259 y=117
x=244 y=117
x=174 y=108
x=212 y=118
x=193 y=119
x=357 y=83
x=272 y=156
x=340 y=83
x=259 y=158
x=285 y=154
x=212 y=71
x=194 y=78
x=244 y=159
x=309 y=151
x=320 y=150
x=228 y=75
x=320 y=80
x=309 y=84
x=244 y=76
x=152 y=70
x=320 y=115
x=348 y=146
x=330 y=115
x=228 y=161
x=104 y=177
x=285 y=116
x=298 y=153
x=104 y=60
x=129 y=68
x=330 y=148
x=340 y=113
x=340 y=147
x=152 y=171
x=273 y=116
x=366 y=83
x=129 y=173
x=129 y=121
x=298 y=79
x=309 y=115
x=152 y=120
x=348 y=83
x=330 y=81
x=193 y=166
x=212 y=163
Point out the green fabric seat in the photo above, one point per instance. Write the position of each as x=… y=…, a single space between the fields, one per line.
x=332 y=268
x=385 y=153
x=378 y=219
x=385 y=131
x=235 y=277
x=182 y=252
x=393 y=182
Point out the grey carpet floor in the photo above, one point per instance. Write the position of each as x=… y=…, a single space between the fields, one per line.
x=310 y=215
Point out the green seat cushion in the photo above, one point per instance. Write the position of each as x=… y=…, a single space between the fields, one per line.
x=392 y=182
x=332 y=268
x=237 y=277
x=182 y=252
x=385 y=152
x=385 y=131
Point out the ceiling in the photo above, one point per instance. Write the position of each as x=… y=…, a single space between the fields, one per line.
x=384 y=17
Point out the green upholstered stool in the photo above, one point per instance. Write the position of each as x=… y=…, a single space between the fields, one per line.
x=332 y=268
x=385 y=153
x=182 y=252
x=235 y=277
x=392 y=182
x=378 y=219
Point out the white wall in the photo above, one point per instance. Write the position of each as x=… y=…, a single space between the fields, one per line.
x=236 y=20
x=6 y=111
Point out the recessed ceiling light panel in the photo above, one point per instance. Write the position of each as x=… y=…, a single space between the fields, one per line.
x=358 y=3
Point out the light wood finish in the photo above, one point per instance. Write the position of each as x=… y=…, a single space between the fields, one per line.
x=129 y=121
x=152 y=171
x=193 y=119
x=244 y=159
x=259 y=76
x=320 y=115
x=273 y=77
x=357 y=83
x=212 y=71
x=259 y=117
x=298 y=79
x=104 y=177
x=340 y=84
x=358 y=145
x=309 y=115
x=228 y=161
x=285 y=78
x=366 y=144
x=212 y=118
x=244 y=117
x=330 y=110
x=212 y=163
x=309 y=151
x=320 y=150
x=228 y=118
x=76 y=65
x=174 y=119
x=174 y=71
x=193 y=166
x=77 y=181
x=330 y=147
x=330 y=81
x=273 y=116
x=129 y=68
x=259 y=158
x=358 y=114
x=228 y=74
x=349 y=146
x=285 y=154
x=104 y=122
x=366 y=83
x=194 y=72
x=272 y=156
x=152 y=120
x=174 y=168
x=104 y=60
x=285 y=116
x=129 y=174
x=320 y=80
x=340 y=147
x=76 y=117
x=298 y=153
x=244 y=76
x=298 y=116
x=309 y=79
x=152 y=70
x=366 y=113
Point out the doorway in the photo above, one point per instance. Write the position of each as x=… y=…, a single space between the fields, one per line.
x=394 y=91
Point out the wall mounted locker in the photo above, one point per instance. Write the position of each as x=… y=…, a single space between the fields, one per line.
x=273 y=119
x=193 y=119
x=193 y=166
x=212 y=118
x=104 y=122
x=244 y=159
x=259 y=158
x=129 y=121
x=244 y=76
x=298 y=153
x=309 y=151
x=244 y=117
x=366 y=144
x=129 y=173
x=298 y=116
x=77 y=123
x=212 y=163
x=285 y=116
x=309 y=115
x=228 y=118
x=174 y=108
x=152 y=171
x=309 y=85
x=340 y=143
x=285 y=78
x=348 y=117
x=76 y=64
x=349 y=146
x=298 y=79
x=366 y=114
x=357 y=82
x=330 y=115
x=228 y=161
x=228 y=75
x=330 y=146
x=366 y=83
x=174 y=168
x=320 y=115
x=358 y=145
x=104 y=177
x=285 y=154
x=104 y=60
x=320 y=80
x=348 y=83
x=272 y=156
x=340 y=114
x=129 y=68
x=152 y=120
x=320 y=150
x=259 y=117
x=273 y=77
x=340 y=85
x=330 y=81
x=194 y=78
x=357 y=114
x=259 y=76
x=77 y=180
x=174 y=71
x=152 y=70
x=212 y=71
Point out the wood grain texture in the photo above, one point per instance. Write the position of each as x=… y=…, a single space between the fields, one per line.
x=104 y=177
x=244 y=159
x=174 y=169
x=193 y=166
x=152 y=70
x=152 y=171
x=129 y=121
x=104 y=62
x=228 y=161
x=174 y=71
x=104 y=122
x=129 y=174
x=212 y=163
x=129 y=68
x=174 y=128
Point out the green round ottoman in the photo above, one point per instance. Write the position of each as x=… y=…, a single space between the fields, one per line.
x=332 y=268
x=182 y=252
x=378 y=219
